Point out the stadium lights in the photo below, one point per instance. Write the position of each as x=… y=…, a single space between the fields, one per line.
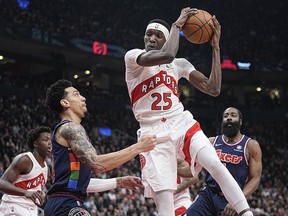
x=258 y=89
x=244 y=65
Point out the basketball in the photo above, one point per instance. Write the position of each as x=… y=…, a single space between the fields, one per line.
x=197 y=29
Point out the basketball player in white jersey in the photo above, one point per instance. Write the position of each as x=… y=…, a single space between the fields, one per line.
x=152 y=76
x=24 y=179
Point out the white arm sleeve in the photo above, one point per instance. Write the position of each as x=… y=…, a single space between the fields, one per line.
x=99 y=185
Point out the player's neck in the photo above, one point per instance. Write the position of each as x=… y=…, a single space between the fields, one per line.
x=71 y=117
x=234 y=139
x=39 y=158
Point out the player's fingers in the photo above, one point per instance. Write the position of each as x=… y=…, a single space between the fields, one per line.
x=37 y=199
x=215 y=22
x=192 y=11
x=137 y=183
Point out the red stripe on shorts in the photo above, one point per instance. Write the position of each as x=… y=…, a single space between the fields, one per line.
x=188 y=136
x=180 y=211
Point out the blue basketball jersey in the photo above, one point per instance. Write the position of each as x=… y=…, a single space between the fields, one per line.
x=69 y=175
x=234 y=157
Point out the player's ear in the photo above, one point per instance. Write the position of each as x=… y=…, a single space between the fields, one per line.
x=35 y=144
x=64 y=103
x=241 y=122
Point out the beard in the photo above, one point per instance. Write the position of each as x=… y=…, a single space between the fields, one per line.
x=230 y=129
x=86 y=114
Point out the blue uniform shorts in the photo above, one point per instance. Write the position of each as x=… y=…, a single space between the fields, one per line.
x=65 y=206
x=207 y=203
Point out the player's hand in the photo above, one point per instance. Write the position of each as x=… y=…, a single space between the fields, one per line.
x=185 y=13
x=130 y=182
x=228 y=210
x=215 y=40
x=35 y=196
x=147 y=143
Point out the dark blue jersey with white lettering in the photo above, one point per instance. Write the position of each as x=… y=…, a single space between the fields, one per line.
x=234 y=157
x=69 y=175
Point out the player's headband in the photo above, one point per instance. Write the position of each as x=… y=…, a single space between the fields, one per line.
x=159 y=27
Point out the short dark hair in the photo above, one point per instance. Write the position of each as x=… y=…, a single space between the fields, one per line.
x=161 y=22
x=55 y=93
x=34 y=134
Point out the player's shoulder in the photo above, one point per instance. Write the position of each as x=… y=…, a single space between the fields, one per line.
x=71 y=126
x=212 y=139
x=71 y=130
x=253 y=144
x=251 y=139
x=22 y=158
x=183 y=62
x=133 y=52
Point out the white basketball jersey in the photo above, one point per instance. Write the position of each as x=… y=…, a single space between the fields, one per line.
x=153 y=90
x=33 y=181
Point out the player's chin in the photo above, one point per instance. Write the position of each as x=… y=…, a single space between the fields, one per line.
x=86 y=113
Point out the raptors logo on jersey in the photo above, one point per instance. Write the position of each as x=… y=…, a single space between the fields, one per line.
x=153 y=90
x=153 y=82
x=32 y=183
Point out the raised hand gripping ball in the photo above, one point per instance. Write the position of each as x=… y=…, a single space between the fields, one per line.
x=197 y=29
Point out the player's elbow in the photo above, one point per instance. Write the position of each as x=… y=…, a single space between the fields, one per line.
x=215 y=92
x=168 y=58
x=98 y=170
x=99 y=167
x=213 y=89
x=257 y=180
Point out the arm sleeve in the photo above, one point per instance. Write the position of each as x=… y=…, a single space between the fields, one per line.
x=99 y=185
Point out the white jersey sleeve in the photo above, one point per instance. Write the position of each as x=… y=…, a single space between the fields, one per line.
x=132 y=68
x=184 y=67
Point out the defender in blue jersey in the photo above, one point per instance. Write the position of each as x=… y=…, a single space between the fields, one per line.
x=243 y=158
x=73 y=155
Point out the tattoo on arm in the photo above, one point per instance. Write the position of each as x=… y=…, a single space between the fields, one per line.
x=81 y=146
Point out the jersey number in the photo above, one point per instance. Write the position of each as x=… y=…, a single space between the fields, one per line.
x=166 y=97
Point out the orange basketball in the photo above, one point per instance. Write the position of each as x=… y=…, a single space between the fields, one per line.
x=197 y=29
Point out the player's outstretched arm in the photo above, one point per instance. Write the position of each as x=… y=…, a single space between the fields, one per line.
x=211 y=85
x=75 y=135
x=129 y=182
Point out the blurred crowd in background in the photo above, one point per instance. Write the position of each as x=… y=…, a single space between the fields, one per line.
x=251 y=31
